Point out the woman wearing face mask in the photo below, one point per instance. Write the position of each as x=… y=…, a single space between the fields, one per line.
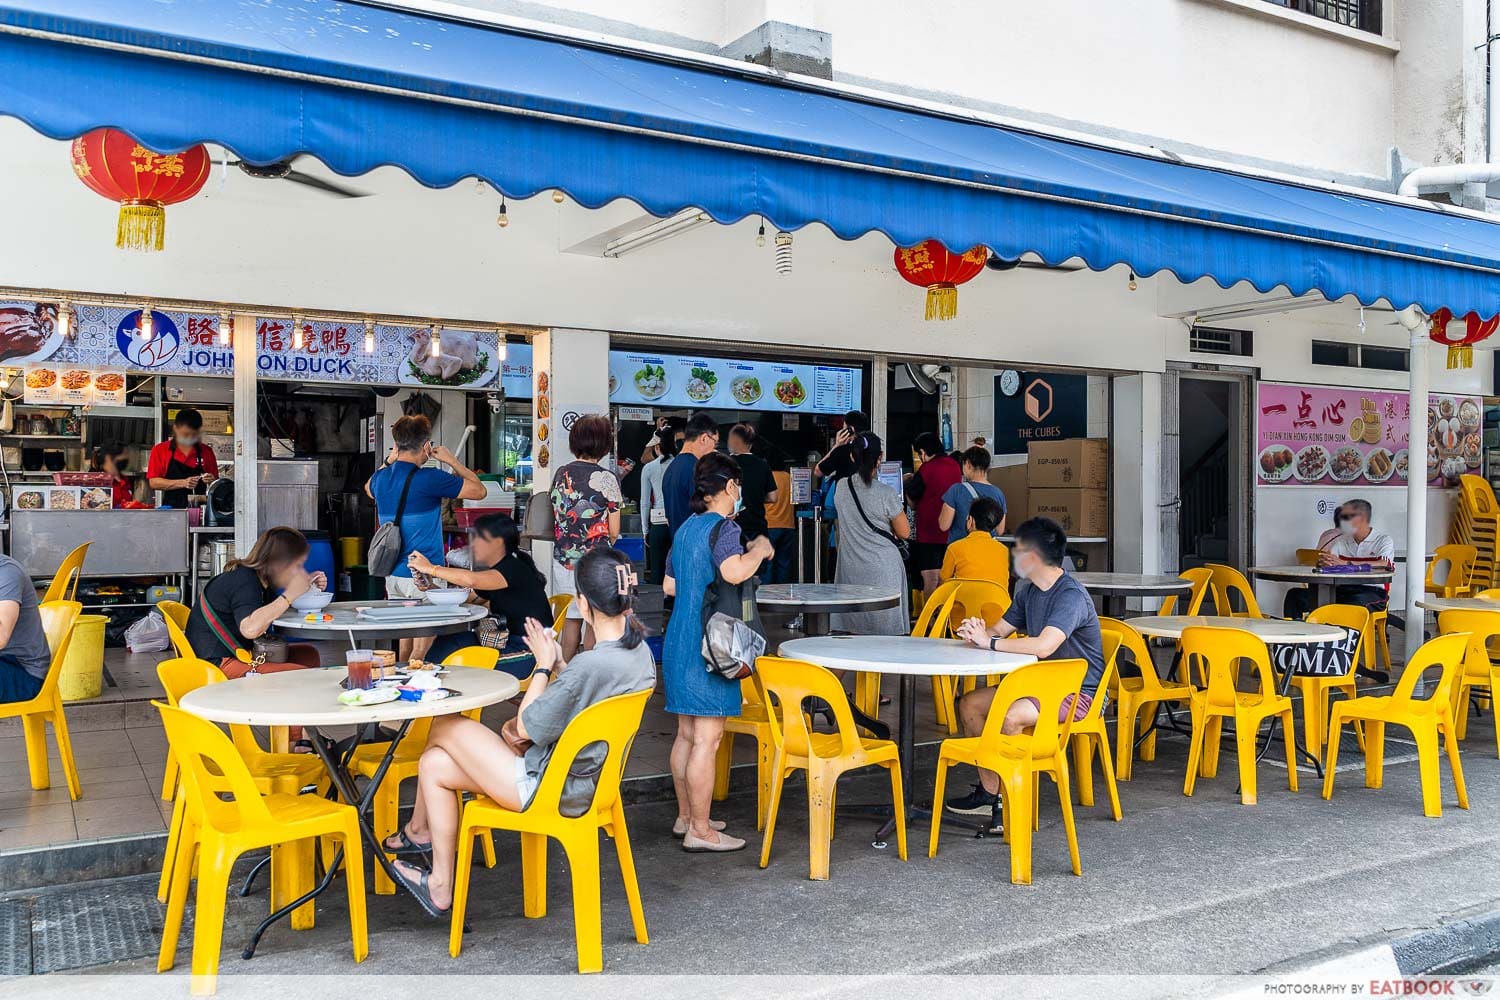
x=112 y=459
x=182 y=465
x=707 y=543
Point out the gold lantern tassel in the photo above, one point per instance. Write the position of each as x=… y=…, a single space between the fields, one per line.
x=942 y=301
x=142 y=226
x=1460 y=356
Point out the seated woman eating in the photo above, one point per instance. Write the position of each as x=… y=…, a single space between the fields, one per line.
x=239 y=605
x=511 y=586
x=467 y=756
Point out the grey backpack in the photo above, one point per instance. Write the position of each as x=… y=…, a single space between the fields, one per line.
x=386 y=548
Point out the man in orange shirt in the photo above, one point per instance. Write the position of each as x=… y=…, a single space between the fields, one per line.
x=780 y=525
x=979 y=555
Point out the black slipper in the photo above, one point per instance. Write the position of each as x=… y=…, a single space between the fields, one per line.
x=303 y=746
x=408 y=847
x=419 y=890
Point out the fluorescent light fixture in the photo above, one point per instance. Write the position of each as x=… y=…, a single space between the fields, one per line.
x=1245 y=310
x=655 y=232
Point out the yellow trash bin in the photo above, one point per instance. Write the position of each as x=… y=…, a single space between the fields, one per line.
x=83 y=670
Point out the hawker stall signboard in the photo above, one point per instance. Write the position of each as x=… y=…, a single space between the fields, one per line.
x=726 y=384
x=177 y=343
x=1310 y=435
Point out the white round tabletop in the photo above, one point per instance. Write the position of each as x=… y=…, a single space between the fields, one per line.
x=311 y=698
x=347 y=621
x=1459 y=604
x=1272 y=630
x=902 y=654
x=1310 y=574
x=1133 y=583
x=825 y=597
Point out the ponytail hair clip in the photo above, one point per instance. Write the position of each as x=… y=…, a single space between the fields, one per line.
x=625 y=579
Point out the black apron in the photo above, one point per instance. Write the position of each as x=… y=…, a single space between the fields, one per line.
x=181 y=470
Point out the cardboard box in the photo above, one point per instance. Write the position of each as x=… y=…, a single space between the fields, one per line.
x=1011 y=480
x=1079 y=463
x=1082 y=513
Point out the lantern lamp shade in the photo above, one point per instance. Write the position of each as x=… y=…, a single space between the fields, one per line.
x=1461 y=345
x=934 y=267
x=112 y=164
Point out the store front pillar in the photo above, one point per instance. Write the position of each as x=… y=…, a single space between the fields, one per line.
x=1136 y=451
x=246 y=423
x=1417 y=475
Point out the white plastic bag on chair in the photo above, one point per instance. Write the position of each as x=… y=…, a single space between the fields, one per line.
x=149 y=635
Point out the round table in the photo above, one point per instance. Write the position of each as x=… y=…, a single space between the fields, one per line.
x=1459 y=604
x=1274 y=631
x=349 y=624
x=816 y=601
x=1324 y=585
x=909 y=657
x=1116 y=588
x=309 y=698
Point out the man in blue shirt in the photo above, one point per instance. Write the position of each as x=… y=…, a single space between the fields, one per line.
x=422 y=520
x=699 y=437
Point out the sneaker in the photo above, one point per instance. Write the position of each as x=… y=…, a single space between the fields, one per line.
x=977 y=803
x=997 y=824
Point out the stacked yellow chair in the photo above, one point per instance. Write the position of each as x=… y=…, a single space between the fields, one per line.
x=1218 y=652
x=824 y=756
x=613 y=722
x=58 y=619
x=1480 y=674
x=227 y=816
x=1429 y=719
x=64 y=586
x=1314 y=690
x=754 y=720
x=1090 y=735
x=1019 y=759
x=1229 y=587
x=1476 y=522
x=1132 y=694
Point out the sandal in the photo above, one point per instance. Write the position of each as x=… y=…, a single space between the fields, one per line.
x=303 y=746
x=421 y=892
x=407 y=847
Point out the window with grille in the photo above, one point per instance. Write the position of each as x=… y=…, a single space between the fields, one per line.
x=1362 y=14
x=1217 y=340
x=1345 y=355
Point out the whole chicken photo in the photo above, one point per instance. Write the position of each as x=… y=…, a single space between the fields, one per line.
x=458 y=352
x=23 y=331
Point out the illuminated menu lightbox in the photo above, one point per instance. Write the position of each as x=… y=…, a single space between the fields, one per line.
x=645 y=377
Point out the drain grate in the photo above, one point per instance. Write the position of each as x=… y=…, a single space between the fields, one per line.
x=15 y=938
x=94 y=926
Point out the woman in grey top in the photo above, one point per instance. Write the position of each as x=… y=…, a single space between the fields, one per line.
x=467 y=756
x=870 y=517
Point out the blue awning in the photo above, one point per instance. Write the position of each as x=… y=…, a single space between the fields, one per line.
x=361 y=86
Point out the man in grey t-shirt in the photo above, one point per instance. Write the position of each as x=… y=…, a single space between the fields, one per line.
x=24 y=656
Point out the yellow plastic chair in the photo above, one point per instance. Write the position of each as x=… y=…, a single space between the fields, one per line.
x=930 y=623
x=754 y=720
x=1089 y=735
x=281 y=773
x=971 y=599
x=559 y=604
x=58 y=619
x=1132 y=694
x=1202 y=580
x=229 y=817
x=613 y=722
x=1479 y=673
x=1314 y=690
x=824 y=756
x=1019 y=759
x=1376 y=644
x=64 y=585
x=1308 y=557
x=1459 y=560
x=1427 y=718
x=176 y=614
x=1219 y=652
x=367 y=757
x=1227 y=583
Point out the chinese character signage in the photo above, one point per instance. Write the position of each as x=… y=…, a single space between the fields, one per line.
x=1317 y=435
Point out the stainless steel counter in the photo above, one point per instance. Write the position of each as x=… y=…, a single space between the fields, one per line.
x=122 y=542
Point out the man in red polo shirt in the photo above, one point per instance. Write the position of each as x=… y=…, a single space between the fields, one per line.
x=182 y=465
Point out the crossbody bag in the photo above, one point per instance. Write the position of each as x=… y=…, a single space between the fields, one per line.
x=902 y=548
x=385 y=551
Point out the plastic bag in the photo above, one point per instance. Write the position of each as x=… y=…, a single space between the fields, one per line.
x=149 y=635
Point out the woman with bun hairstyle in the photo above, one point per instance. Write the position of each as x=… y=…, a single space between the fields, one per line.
x=708 y=542
x=463 y=755
x=871 y=519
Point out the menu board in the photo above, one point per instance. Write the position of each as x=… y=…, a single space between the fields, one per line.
x=727 y=384
x=1317 y=435
x=49 y=383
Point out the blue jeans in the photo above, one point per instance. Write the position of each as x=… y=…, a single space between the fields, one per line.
x=445 y=646
x=15 y=683
x=784 y=546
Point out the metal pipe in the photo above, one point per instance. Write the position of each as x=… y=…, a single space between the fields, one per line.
x=1415 y=322
x=1452 y=175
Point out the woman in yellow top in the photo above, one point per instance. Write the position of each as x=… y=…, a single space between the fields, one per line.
x=979 y=555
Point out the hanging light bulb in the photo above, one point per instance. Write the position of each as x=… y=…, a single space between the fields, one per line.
x=1132 y=279
x=226 y=328
x=500 y=343
x=434 y=340
x=148 y=323
x=557 y=195
x=369 y=336
x=502 y=220
x=65 y=319
x=783 y=252
x=760 y=234
x=297 y=331
x=479 y=185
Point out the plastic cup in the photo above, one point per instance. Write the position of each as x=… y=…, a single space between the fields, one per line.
x=360 y=663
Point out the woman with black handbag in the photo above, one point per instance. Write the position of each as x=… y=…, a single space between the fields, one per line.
x=705 y=551
x=872 y=542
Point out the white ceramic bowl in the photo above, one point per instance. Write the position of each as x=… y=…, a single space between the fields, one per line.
x=453 y=596
x=313 y=600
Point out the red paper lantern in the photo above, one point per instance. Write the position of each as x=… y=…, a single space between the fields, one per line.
x=934 y=267
x=114 y=165
x=1461 y=349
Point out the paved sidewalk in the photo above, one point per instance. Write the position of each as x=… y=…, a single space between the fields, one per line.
x=1201 y=885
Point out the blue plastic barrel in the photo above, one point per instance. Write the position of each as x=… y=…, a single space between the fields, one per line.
x=320 y=555
x=634 y=548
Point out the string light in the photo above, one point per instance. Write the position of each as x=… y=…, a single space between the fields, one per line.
x=435 y=340
x=369 y=336
x=502 y=220
x=783 y=252
x=500 y=346
x=226 y=328
x=148 y=322
x=65 y=319
x=296 y=331
x=557 y=195
x=760 y=234
x=1132 y=280
x=479 y=185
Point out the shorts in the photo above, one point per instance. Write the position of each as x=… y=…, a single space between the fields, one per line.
x=525 y=783
x=563 y=582
x=928 y=555
x=1080 y=704
x=401 y=588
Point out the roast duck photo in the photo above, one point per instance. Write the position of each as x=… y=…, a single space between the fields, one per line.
x=23 y=331
x=458 y=352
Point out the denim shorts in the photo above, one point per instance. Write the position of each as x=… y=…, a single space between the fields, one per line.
x=525 y=784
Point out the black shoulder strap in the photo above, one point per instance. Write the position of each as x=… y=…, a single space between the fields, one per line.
x=866 y=517
x=401 y=504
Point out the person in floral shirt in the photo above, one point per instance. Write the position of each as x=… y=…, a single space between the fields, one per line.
x=586 y=514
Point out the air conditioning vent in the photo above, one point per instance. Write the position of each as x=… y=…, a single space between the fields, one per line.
x=1218 y=340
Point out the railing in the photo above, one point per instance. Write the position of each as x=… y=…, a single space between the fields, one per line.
x=1205 y=497
x=1365 y=15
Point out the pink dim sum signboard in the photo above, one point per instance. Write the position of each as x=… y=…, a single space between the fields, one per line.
x=1313 y=435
